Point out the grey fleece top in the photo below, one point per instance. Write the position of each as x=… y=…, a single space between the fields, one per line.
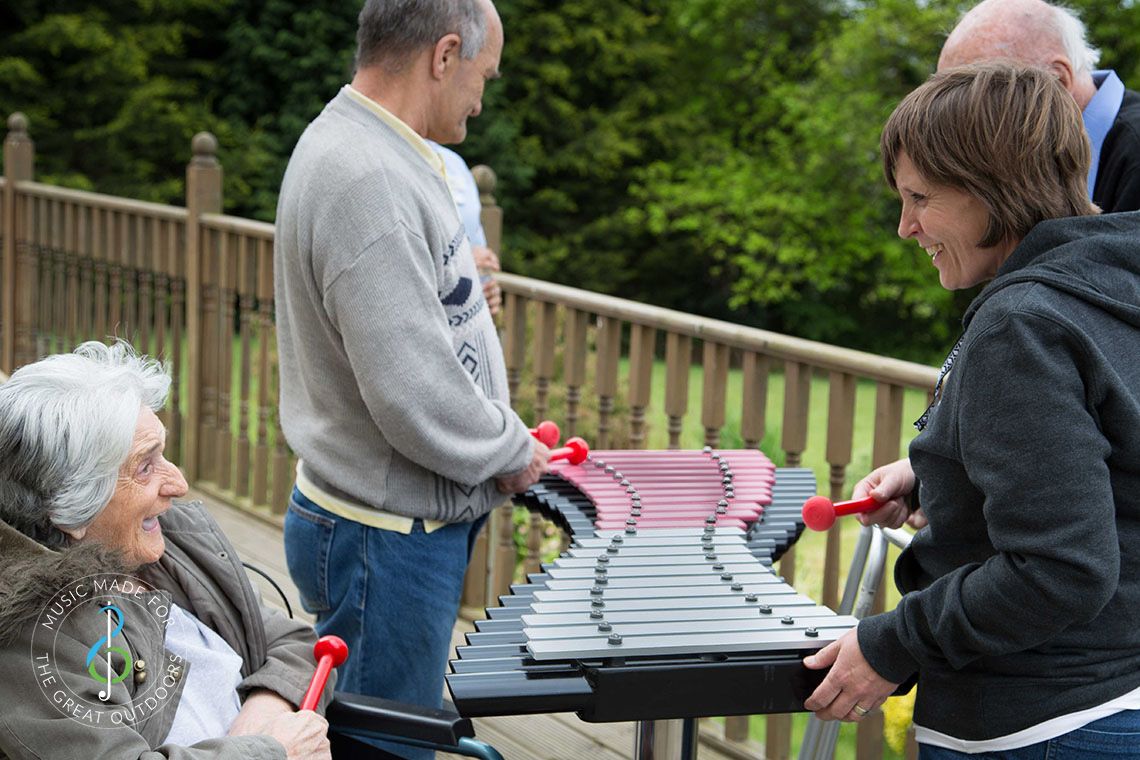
x=202 y=574
x=1022 y=597
x=393 y=384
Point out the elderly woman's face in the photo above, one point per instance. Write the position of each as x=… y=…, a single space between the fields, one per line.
x=947 y=223
x=147 y=483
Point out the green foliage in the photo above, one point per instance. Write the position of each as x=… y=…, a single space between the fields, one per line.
x=112 y=99
x=791 y=219
x=582 y=104
x=282 y=61
x=1114 y=27
x=713 y=156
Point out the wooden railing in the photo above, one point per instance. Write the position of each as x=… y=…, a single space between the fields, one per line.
x=195 y=287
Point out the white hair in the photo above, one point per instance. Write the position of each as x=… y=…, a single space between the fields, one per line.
x=1071 y=30
x=66 y=427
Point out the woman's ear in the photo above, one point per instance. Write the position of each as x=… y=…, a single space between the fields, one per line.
x=75 y=534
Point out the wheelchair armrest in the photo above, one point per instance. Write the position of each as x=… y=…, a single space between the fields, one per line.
x=359 y=713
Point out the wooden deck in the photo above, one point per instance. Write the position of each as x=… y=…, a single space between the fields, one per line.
x=525 y=737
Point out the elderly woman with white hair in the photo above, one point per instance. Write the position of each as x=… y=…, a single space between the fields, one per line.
x=128 y=627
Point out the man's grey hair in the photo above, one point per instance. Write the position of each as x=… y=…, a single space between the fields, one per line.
x=391 y=32
x=67 y=423
x=1074 y=39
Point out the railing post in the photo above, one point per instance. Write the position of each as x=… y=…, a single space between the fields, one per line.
x=203 y=196
x=641 y=344
x=545 y=326
x=678 y=357
x=19 y=165
x=754 y=404
x=514 y=340
x=574 y=365
x=609 y=355
x=797 y=401
x=491 y=215
x=840 y=434
x=714 y=374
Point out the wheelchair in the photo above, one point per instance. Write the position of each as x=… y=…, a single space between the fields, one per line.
x=356 y=718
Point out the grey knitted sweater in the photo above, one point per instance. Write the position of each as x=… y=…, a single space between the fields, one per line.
x=393 y=385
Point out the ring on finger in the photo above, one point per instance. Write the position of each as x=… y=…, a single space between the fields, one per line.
x=860 y=710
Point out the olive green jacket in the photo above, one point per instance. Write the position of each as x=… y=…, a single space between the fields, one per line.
x=46 y=640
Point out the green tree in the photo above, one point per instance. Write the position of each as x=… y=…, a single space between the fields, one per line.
x=585 y=100
x=283 y=60
x=114 y=90
x=792 y=217
x=1114 y=27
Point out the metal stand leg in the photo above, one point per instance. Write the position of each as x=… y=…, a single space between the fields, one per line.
x=866 y=573
x=666 y=740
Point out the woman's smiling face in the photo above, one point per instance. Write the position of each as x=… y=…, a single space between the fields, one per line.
x=147 y=483
x=947 y=223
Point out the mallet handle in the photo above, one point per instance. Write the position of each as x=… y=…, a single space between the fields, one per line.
x=866 y=504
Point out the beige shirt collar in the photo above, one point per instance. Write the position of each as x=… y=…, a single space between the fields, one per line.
x=402 y=129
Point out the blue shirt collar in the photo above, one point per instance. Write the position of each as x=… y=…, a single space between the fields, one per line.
x=1099 y=115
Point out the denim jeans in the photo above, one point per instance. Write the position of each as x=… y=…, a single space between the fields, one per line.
x=392 y=597
x=1115 y=736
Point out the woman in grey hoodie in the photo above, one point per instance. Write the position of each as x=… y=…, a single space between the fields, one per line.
x=1021 y=609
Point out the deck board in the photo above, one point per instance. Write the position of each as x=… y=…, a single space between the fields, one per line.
x=559 y=736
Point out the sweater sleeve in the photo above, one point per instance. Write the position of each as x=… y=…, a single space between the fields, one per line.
x=1035 y=451
x=289 y=663
x=416 y=389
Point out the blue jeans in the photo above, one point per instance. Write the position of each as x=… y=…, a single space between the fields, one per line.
x=392 y=597
x=1106 y=739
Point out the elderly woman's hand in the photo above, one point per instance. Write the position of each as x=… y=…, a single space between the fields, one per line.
x=303 y=734
x=852 y=688
x=890 y=484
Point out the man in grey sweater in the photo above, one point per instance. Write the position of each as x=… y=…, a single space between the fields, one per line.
x=393 y=384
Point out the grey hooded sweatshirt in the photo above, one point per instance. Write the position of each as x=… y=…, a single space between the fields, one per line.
x=1022 y=597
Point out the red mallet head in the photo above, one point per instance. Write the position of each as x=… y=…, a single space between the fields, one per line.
x=819 y=513
x=575 y=451
x=330 y=652
x=331 y=646
x=547 y=432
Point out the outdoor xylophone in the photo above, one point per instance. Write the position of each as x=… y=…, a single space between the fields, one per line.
x=665 y=605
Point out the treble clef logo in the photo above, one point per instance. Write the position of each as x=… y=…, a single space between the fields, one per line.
x=93 y=653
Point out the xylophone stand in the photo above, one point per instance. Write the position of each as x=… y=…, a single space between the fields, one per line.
x=666 y=740
x=863 y=578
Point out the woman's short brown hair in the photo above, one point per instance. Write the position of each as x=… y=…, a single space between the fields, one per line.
x=1011 y=136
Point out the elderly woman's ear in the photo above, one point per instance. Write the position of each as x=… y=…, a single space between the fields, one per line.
x=75 y=534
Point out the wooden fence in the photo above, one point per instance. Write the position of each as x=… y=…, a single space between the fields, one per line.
x=195 y=287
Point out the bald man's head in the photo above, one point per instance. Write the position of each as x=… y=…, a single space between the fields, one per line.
x=1030 y=32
